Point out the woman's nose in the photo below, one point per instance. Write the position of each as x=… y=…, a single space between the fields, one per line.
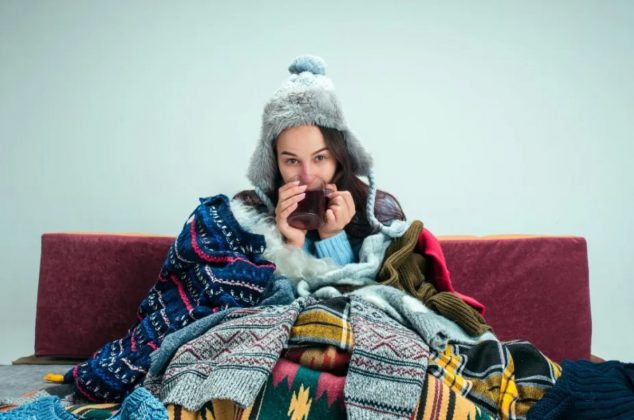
x=307 y=169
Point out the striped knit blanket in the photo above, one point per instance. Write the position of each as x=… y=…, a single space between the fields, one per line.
x=214 y=264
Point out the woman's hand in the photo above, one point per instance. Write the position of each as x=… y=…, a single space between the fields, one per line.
x=288 y=196
x=341 y=210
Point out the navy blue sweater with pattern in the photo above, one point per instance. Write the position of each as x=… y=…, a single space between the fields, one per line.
x=214 y=264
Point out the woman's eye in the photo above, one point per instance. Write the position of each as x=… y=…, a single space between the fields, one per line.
x=291 y=161
x=319 y=158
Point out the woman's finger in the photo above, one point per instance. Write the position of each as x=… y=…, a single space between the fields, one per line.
x=347 y=197
x=330 y=217
x=287 y=211
x=290 y=190
x=343 y=206
x=293 y=200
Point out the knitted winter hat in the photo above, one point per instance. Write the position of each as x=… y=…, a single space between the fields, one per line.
x=306 y=98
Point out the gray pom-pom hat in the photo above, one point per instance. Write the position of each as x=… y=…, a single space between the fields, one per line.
x=306 y=98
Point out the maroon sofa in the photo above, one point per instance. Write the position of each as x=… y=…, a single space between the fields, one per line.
x=534 y=288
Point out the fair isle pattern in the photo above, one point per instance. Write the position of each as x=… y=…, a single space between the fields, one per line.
x=214 y=264
x=232 y=360
x=387 y=367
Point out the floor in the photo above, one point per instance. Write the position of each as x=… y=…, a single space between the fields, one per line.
x=15 y=380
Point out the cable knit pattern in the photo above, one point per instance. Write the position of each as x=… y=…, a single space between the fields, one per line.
x=141 y=405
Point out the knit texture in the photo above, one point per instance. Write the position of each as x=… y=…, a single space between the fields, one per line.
x=278 y=292
x=141 y=405
x=325 y=284
x=387 y=368
x=231 y=361
x=589 y=390
x=22 y=400
x=48 y=408
x=336 y=247
x=213 y=265
x=405 y=269
x=435 y=330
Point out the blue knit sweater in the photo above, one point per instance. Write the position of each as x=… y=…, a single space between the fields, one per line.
x=213 y=265
x=587 y=390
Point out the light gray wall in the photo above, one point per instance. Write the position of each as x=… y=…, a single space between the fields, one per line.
x=483 y=118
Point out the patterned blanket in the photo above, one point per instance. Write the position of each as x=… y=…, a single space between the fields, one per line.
x=506 y=379
x=326 y=322
x=214 y=264
x=294 y=391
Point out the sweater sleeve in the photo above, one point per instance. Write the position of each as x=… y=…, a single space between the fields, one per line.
x=336 y=247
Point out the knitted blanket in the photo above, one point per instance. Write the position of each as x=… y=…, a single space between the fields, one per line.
x=387 y=368
x=278 y=292
x=435 y=330
x=214 y=264
x=139 y=405
x=429 y=246
x=232 y=360
x=506 y=379
x=296 y=391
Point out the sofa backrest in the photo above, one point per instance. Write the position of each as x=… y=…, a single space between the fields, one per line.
x=534 y=288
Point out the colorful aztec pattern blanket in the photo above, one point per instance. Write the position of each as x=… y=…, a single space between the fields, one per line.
x=214 y=264
x=504 y=378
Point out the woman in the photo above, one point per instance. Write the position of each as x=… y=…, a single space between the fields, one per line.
x=304 y=133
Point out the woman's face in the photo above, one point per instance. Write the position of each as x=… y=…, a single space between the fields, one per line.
x=302 y=151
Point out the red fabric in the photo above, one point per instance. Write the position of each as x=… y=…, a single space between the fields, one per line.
x=429 y=246
x=90 y=288
x=534 y=288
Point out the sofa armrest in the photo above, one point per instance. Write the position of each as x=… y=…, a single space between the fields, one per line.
x=534 y=288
